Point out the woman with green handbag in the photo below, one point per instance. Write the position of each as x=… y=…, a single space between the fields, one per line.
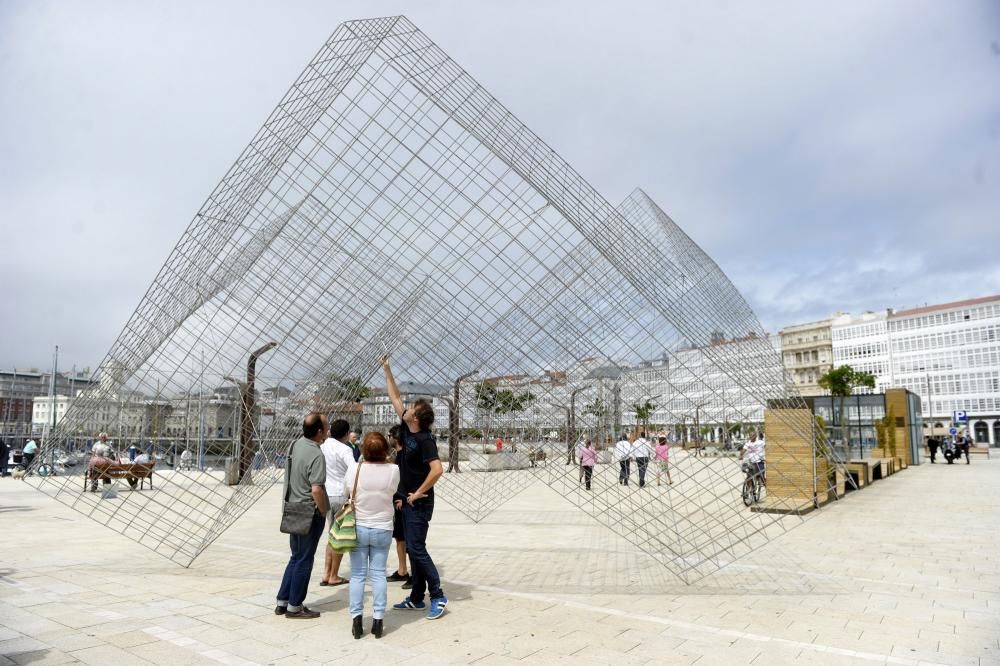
x=374 y=482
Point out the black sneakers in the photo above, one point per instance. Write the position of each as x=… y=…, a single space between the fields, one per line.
x=396 y=577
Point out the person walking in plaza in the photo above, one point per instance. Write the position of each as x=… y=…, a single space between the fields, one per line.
x=338 y=455
x=4 y=456
x=419 y=471
x=932 y=445
x=402 y=572
x=375 y=481
x=305 y=483
x=623 y=456
x=642 y=451
x=662 y=454
x=588 y=458
x=754 y=450
x=578 y=455
x=964 y=442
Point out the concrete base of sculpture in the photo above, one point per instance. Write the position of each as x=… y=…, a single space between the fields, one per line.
x=505 y=460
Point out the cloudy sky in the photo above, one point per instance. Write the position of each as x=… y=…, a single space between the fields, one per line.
x=829 y=156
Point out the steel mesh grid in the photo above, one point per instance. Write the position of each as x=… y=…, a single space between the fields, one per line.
x=385 y=143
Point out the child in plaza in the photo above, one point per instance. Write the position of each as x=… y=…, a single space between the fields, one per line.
x=662 y=454
x=402 y=572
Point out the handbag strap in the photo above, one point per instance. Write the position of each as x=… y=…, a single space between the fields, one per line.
x=288 y=471
x=354 y=490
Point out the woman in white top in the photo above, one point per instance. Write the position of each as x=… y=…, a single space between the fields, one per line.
x=377 y=480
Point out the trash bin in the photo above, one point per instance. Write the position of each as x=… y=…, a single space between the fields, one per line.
x=232 y=472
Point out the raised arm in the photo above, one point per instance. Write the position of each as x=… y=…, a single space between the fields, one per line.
x=391 y=388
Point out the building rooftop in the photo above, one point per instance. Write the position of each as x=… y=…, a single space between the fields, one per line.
x=945 y=306
x=798 y=328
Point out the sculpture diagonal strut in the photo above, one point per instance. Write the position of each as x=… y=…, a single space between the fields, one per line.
x=390 y=203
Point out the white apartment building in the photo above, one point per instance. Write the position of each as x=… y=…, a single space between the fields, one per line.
x=41 y=412
x=948 y=354
x=696 y=386
x=807 y=353
x=862 y=342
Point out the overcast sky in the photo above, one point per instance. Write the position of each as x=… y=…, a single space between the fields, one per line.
x=829 y=156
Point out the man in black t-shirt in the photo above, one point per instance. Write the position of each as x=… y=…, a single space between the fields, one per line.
x=419 y=470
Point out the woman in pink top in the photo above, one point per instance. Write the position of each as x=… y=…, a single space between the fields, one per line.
x=588 y=458
x=663 y=459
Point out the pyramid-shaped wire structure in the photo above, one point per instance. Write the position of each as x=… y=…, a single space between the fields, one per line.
x=391 y=204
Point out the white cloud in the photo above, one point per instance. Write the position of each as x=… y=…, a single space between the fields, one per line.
x=828 y=156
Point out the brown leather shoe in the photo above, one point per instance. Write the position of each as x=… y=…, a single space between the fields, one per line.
x=304 y=614
x=280 y=610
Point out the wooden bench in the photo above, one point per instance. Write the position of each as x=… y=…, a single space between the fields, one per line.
x=979 y=450
x=882 y=468
x=133 y=473
x=860 y=471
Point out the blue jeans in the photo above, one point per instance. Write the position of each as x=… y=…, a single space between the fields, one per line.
x=368 y=560
x=416 y=522
x=295 y=582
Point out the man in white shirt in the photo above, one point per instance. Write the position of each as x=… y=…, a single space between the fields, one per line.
x=642 y=451
x=101 y=447
x=754 y=451
x=623 y=454
x=339 y=456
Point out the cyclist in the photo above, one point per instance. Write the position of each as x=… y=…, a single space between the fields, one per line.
x=754 y=451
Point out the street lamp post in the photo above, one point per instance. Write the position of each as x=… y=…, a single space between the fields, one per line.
x=697 y=426
x=571 y=423
x=247 y=405
x=454 y=422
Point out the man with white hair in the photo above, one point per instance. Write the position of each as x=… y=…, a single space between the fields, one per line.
x=623 y=456
x=99 y=457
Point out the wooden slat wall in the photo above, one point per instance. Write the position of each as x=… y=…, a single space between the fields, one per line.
x=790 y=455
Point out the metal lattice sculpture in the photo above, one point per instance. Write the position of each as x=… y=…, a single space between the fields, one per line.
x=390 y=204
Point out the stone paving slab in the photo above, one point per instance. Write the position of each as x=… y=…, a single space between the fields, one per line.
x=906 y=571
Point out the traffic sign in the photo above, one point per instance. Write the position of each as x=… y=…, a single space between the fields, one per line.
x=959 y=416
x=952 y=431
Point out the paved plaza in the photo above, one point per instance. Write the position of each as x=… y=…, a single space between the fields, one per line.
x=904 y=572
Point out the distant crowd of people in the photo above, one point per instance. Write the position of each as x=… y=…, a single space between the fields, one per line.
x=953 y=447
x=643 y=449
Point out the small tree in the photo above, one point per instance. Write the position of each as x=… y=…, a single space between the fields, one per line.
x=501 y=401
x=841 y=382
x=733 y=430
x=351 y=389
x=822 y=448
x=643 y=410
x=600 y=409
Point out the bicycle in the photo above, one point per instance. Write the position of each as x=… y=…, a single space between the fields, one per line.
x=752 y=484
